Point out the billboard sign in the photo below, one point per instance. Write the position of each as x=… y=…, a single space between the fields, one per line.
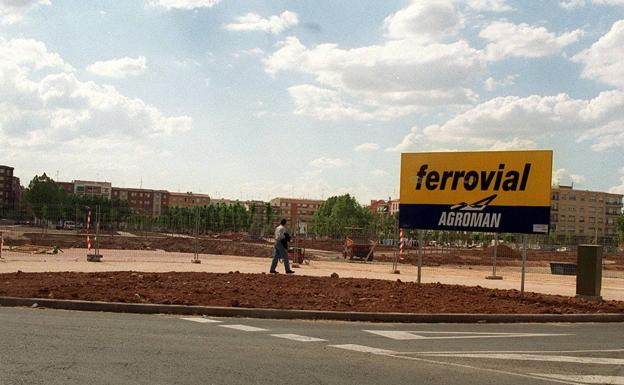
x=490 y=191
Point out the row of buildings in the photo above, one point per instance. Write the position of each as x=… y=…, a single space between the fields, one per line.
x=575 y=214
x=149 y=202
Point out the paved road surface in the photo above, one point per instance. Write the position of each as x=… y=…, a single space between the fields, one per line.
x=42 y=346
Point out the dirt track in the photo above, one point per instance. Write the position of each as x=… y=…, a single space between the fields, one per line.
x=290 y=292
x=208 y=245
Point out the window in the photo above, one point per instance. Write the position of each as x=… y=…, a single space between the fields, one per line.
x=572 y=197
x=571 y=218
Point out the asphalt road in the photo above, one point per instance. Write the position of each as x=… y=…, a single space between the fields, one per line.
x=42 y=346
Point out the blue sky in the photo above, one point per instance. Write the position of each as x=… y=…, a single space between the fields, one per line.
x=257 y=99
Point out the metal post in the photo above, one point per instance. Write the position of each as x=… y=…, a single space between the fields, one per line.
x=494 y=256
x=196 y=246
x=420 y=253
x=97 y=230
x=524 y=249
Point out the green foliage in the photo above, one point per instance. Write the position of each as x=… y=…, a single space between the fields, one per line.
x=43 y=192
x=620 y=227
x=339 y=213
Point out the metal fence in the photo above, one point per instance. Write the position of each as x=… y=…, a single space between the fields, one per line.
x=447 y=257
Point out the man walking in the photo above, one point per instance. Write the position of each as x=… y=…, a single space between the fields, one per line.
x=280 y=248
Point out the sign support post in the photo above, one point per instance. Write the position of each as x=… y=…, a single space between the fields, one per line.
x=524 y=256
x=420 y=253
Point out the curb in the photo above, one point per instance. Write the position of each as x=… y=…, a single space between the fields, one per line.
x=140 y=308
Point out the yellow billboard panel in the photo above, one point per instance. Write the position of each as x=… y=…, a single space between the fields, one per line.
x=493 y=178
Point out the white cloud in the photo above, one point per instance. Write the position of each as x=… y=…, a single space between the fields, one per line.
x=609 y=2
x=42 y=105
x=119 y=68
x=327 y=163
x=603 y=60
x=490 y=5
x=182 y=4
x=571 y=4
x=523 y=40
x=275 y=24
x=516 y=122
x=385 y=81
x=619 y=189
x=378 y=172
x=366 y=147
x=564 y=177
x=13 y=11
x=492 y=84
x=427 y=21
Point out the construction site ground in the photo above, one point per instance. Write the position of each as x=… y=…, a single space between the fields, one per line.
x=378 y=290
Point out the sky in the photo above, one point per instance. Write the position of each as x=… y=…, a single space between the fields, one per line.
x=258 y=99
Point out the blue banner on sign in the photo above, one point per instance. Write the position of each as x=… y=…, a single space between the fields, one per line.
x=493 y=219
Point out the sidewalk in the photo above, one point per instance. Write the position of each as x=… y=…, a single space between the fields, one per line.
x=160 y=261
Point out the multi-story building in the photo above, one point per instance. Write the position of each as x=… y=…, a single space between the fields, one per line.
x=92 y=188
x=394 y=206
x=9 y=189
x=298 y=212
x=68 y=187
x=188 y=199
x=584 y=216
x=379 y=206
x=142 y=201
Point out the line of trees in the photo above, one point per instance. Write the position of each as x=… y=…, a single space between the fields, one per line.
x=46 y=202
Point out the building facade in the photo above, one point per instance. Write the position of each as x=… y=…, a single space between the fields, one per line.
x=92 y=188
x=379 y=206
x=10 y=191
x=582 y=216
x=394 y=206
x=142 y=201
x=298 y=212
x=188 y=199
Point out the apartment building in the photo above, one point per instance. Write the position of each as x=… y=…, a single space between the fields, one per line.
x=584 y=216
x=394 y=206
x=10 y=190
x=379 y=206
x=92 y=188
x=143 y=201
x=296 y=211
x=188 y=199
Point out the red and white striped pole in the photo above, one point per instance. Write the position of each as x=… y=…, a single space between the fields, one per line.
x=88 y=226
x=401 y=244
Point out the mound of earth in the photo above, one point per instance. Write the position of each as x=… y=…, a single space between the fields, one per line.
x=290 y=292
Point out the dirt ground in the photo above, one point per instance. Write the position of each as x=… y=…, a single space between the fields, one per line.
x=224 y=245
x=290 y=292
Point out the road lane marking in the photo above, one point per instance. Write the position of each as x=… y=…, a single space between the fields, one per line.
x=244 y=328
x=390 y=353
x=363 y=349
x=297 y=337
x=587 y=379
x=201 y=320
x=535 y=357
x=514 y=351
x=497 y=371
x=425 y=335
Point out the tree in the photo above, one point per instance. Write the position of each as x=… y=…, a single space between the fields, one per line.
x=338 y=213
x=620 y=227
x=43 y=192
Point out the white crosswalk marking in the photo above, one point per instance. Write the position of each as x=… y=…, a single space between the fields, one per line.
x=201 y=320
x=244 y=328
x=586 y=379
x=363 y=349
x=297 y=337
x=535 y=357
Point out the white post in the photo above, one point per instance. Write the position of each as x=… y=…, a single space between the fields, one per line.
x=420 y=253
x=524 y=250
